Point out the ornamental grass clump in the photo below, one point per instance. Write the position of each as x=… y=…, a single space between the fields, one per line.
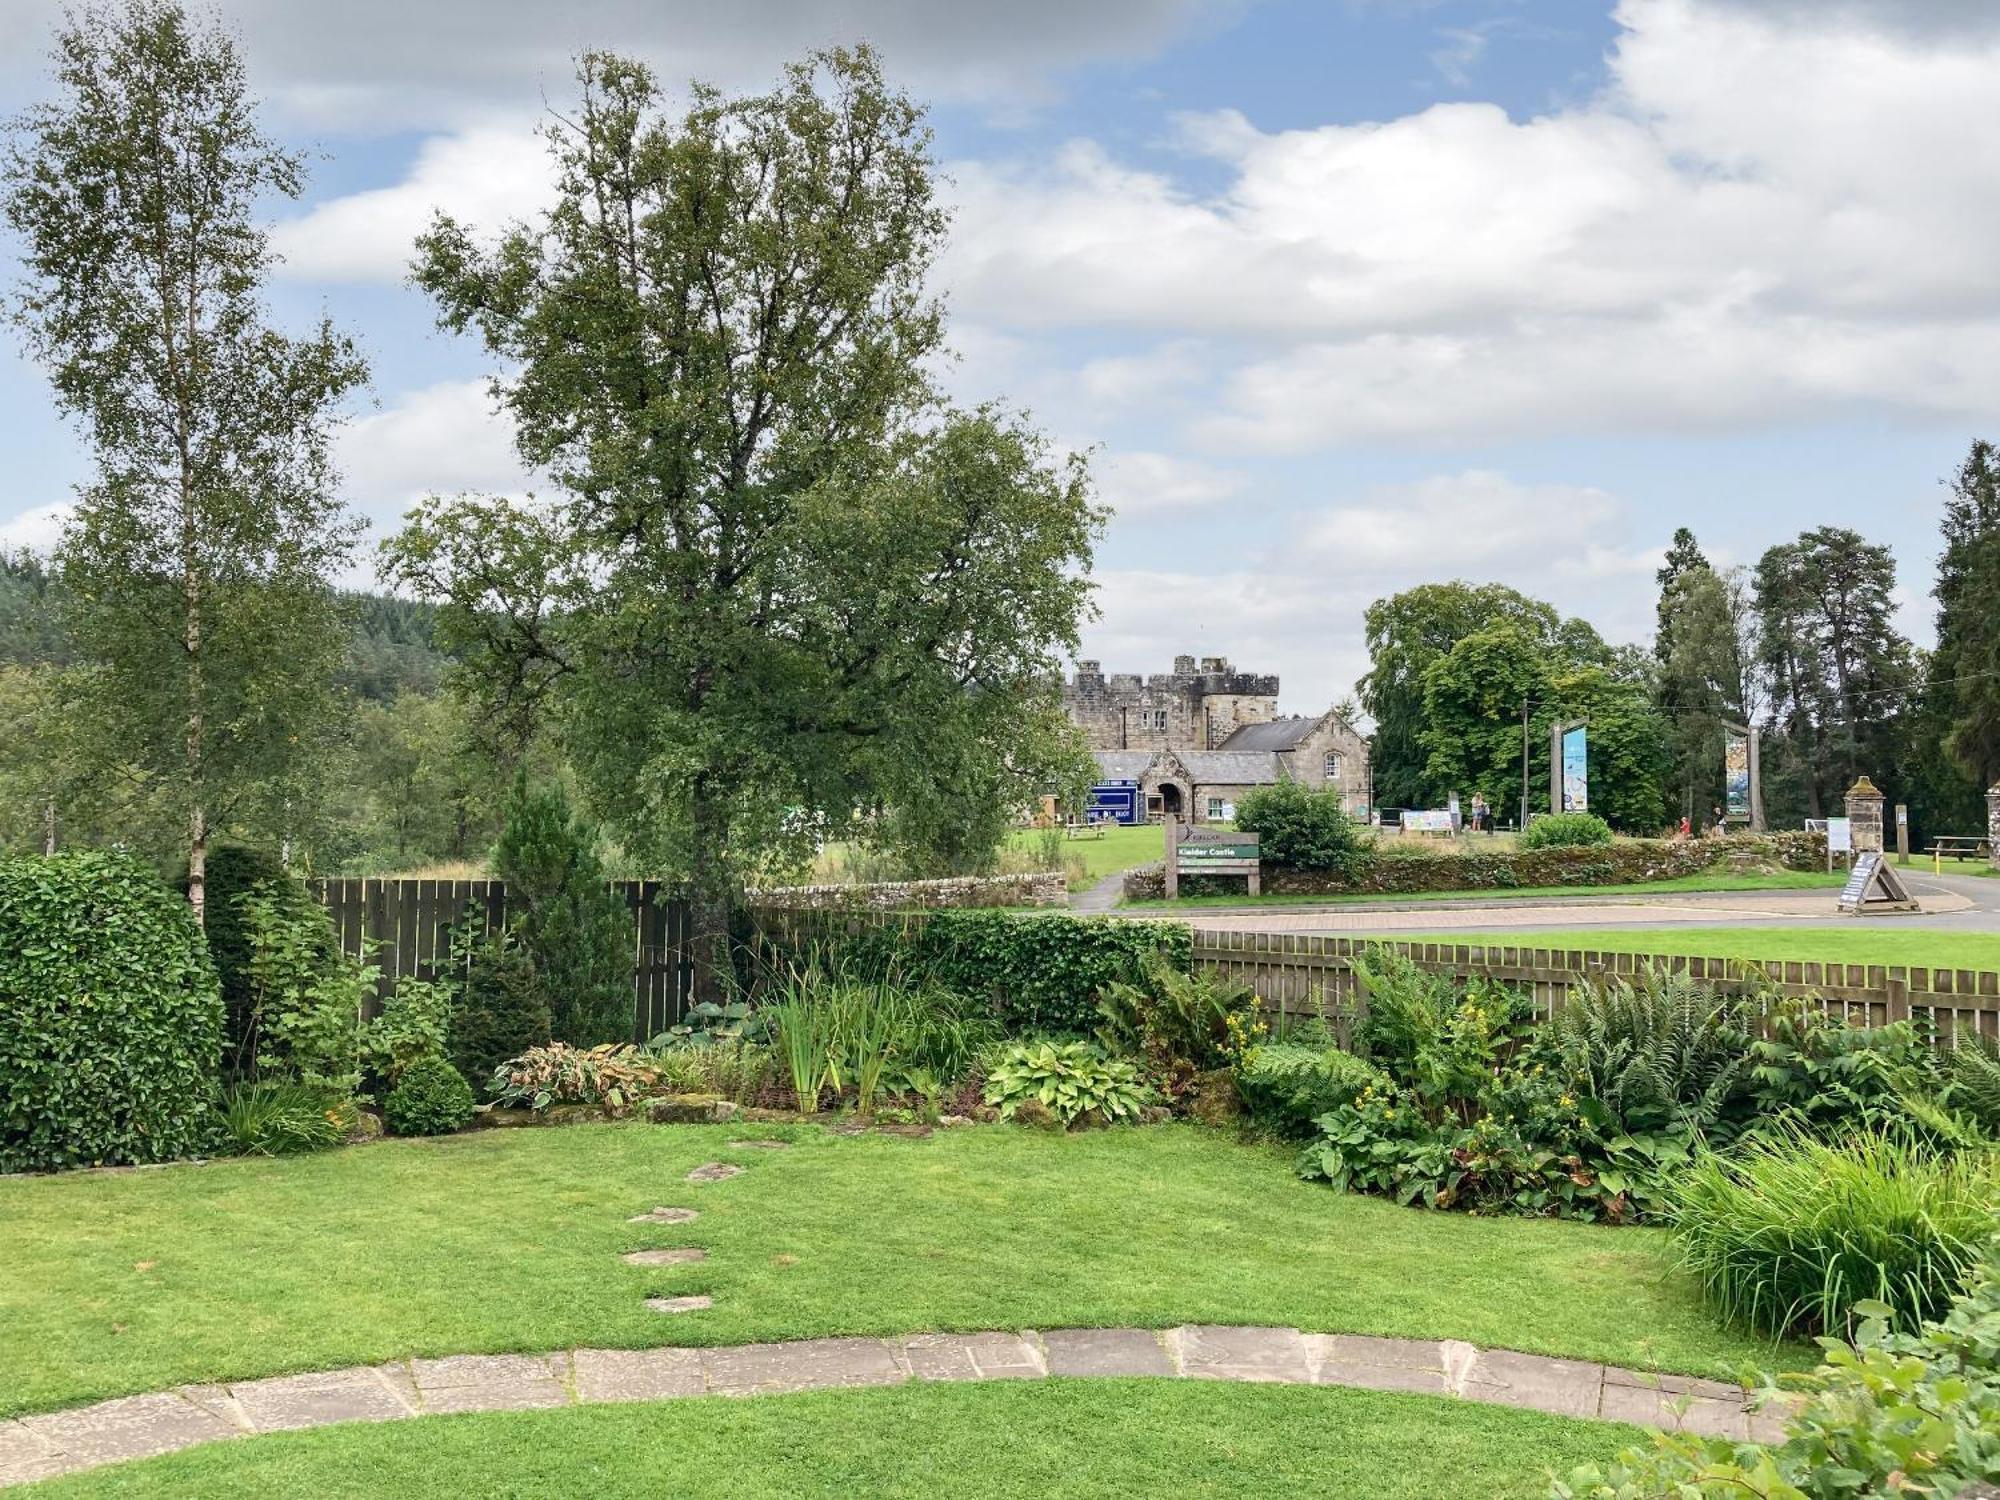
x=1791 y=1235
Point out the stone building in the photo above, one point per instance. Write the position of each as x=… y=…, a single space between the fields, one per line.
x=1196 y=739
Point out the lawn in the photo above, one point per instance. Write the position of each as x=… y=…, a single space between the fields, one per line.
x=1778 y=880
x=1864 y=942
x=1078 y=1439
x=509 y=1240
x=1091 y=860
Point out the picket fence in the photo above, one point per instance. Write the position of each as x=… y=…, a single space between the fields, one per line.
x=404 y=925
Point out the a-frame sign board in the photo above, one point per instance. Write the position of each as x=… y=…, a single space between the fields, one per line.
x=1873 y=886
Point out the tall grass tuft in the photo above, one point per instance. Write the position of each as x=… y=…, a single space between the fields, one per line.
x=1789 y=1234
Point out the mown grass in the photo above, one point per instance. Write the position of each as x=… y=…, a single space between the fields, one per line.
x=1091 y=860
x=1079 y=1439
x=509 y=1240
x=1778 y=880
x=1859 y=943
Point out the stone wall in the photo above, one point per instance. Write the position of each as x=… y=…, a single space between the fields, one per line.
x=1397 y=869
x=1049 y=888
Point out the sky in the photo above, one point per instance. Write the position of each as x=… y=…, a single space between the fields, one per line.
x=1342 y=295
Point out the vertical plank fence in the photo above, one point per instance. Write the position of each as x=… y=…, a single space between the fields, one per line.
x=405 y=927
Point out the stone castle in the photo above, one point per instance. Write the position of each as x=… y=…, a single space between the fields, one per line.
x=1197 y=738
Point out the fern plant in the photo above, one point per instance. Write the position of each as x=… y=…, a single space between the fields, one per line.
x=1663 y=1054
x=1972 y=1079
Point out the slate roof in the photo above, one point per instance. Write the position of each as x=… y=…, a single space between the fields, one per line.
x=1123 y=765
x=1231 y=767
x=1279 y=734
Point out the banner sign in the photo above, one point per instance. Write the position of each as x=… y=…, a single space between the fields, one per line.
x=1735 y=774
x=1435 y=820
x=1576 y=770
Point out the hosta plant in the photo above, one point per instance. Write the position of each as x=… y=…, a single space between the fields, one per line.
x=1072 y=1080
x=612 y=1077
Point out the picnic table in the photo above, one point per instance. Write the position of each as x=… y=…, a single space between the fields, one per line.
x=1091 y=830
x=1959 y=846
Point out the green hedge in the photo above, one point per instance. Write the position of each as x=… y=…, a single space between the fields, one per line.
x=111 y=1023
x=234 y=870
x=1039 y=973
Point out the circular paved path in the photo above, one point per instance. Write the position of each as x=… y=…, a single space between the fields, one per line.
x=132 y=1427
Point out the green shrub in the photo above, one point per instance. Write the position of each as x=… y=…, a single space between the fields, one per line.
x=308 y=1012
x=1288 y=1087
x=611 y=1076
x=1299 y=829
x=111 y=1024
x=1791 y=1234
x=575 y=929
x=1180 y=1025
x=838 y=1031
x=414 y=1027
x=234 y=871
x=1664 y=1054
x=1811 y=1070
x=432 y=1098
x=1894 y=1413
x=1039 y=973
x=1568 y=830
x=499 y=1010
x=282 y=1117
x=1072 y=1080
x=1971 y=1070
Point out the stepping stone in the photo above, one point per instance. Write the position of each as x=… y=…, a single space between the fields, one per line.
x=637 y=1374
x=1105 y=1351
x=665 y=1216
x=715 y=1171
x=761 y=1145
x=686 y=1256
x=490 y=1382
x=808 y=1365
x=1229 y=1353
x=679 y=1304
x=294 y=1401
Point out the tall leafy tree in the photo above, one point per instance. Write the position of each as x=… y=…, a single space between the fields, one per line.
x=196 y=566
x=783 y=580
x=1684 y=559
x=1407 y=634
x=1841 y=677
x=1965 y=668
x=1706 y=679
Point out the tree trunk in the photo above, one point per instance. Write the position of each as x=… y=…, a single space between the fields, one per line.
x=712 y=898
x=49 y=826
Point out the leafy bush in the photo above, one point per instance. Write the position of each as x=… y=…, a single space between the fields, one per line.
x=834 y=1030
x=1811 y=1070
x=733 y=1070
x=573 y=927
x=111 y=1023
x=234 y=871
x=282 y=1117
x=1288 y=1087
x=1299 y=829
x=1666 y=1054
x=1072 y=1080
x=1039 y=973
x=499 y=1009
x=612 y=1077
x=1971 y=1069
x=1567 y=830
x=1892 y=1414
x=1791 y=1234
x=1180 y=1024
x=307 y=1011
x=432 y=1098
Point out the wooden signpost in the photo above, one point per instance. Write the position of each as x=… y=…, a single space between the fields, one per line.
x=1874 y=886
x=1211 y=851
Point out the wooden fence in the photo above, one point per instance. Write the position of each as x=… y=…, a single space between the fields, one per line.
x=405 y=925
x=1298 y=974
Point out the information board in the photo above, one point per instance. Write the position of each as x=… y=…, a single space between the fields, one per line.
x=1873 y=886
x=1212 y=851
x=1839 y=835
x=1433 y=820
x=1858 y=878
x=1576 y=770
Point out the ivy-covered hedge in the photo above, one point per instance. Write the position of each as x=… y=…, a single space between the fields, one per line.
x=1039 y=973
x=110 y=1016
x=1405 y=866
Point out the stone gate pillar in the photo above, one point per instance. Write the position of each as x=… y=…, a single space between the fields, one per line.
x=1993 y=825
x=1864 y=812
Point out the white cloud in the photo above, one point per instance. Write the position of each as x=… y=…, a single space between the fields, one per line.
x=1457 y=523
x=38 y=530
x=1138 y=483
x=438 y=440
x=485 y=177
x=1765 y=217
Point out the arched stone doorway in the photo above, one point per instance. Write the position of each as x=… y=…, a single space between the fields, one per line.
x=1173 y=801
